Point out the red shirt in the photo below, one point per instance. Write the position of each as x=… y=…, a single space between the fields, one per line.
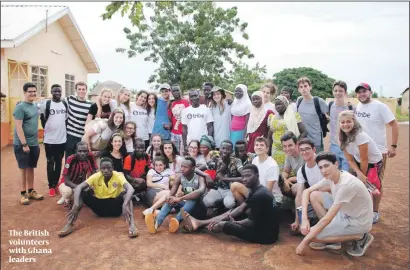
x=78 y=170
x=175 y=115
x=141 y=166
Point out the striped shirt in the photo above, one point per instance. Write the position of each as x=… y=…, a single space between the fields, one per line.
x=77 y=115
x=79 y=170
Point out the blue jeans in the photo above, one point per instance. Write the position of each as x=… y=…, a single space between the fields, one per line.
x=343 y=164
x=187 y=205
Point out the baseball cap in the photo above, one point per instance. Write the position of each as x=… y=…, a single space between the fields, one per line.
x=164 y=86
x=363 y=85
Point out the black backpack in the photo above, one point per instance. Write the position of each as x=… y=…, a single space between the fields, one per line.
x=331 y=103
x=322 y=117
x=44 y=117
x=304 y=176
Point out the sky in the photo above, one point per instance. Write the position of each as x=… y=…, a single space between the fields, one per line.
x=350 y=41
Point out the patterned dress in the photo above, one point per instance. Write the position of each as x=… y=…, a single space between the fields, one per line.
x=278 y=127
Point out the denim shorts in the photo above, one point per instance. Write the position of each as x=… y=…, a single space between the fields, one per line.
x=26 y=160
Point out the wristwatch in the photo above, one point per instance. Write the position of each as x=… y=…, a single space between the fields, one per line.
x=394 y=145
x=25 y=144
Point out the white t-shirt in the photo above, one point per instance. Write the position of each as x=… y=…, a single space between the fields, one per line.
x=373 y=118
x=196 y=120
x=139 y=116
x=175 y=166
x=160 y=178
x=355 y=199
x=374 y=153
x=269 y=171
x=102 y=129
x=114 y=105
x=270 y=106
x=55 y=131
x=129 y=145
x=313 y=175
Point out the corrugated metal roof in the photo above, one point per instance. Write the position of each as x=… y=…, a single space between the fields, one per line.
x=18 y=19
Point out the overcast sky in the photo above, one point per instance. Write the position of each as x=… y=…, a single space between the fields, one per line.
x=355 y=42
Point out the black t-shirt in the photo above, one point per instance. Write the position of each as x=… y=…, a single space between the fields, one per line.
x=118 y=163
x=106 y=110
x=263 y=214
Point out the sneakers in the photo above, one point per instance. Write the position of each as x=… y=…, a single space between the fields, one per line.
x=376 y=217
x=24 y=199
x=359 y=247
x=147 y=211
x=34 y=196
x=51 y=192
x=61 y=200
x=151 y=223
x=322 y=246
x=173 y=225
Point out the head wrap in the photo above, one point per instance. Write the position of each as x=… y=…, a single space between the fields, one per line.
x=257 y=115
x=242 y=106
x=208 y=141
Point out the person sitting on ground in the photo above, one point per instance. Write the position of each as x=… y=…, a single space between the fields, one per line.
x=116 y=151
x=172 y=158
x=242 y=154
x=193 y=151
x=261 y=226
x=155 y=147
x=129 y=136
x=193 y=187
x=206 y=145
x=136 y=167
x=77 y=168
x=228 y=171
x=112 y=196
x=158 y=181
x=345 y=215
x=308 y=175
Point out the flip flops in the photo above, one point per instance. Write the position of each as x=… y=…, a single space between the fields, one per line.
x=132 y=234
x=186 y=223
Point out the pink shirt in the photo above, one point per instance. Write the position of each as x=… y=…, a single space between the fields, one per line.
x=238 y=122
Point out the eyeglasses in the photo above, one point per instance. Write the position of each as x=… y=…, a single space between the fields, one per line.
x=193 y=147
x=32 y=92
x=302 y=150
x=130 y=128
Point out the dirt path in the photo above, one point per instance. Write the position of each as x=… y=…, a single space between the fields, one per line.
x=103 y=243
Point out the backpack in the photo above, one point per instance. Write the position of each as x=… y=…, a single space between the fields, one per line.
x=322 y=117
x=304 y=176
x=331 y=103
x=44 y=117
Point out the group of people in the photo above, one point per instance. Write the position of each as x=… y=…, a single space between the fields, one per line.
x=231 y=166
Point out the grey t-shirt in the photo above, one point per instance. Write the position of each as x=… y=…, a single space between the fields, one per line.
x=294 y=164
x=311 y=120
x=28 y=112
x=222 y=123
x=334 y=115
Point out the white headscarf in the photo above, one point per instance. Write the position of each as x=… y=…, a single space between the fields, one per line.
x=257 y=115
x=289 y=116
x=241 y=107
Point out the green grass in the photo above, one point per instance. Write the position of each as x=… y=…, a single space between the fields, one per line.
x=399 y=116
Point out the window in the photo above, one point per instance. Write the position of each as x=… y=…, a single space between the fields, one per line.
x=39 y=78
x=69 y=85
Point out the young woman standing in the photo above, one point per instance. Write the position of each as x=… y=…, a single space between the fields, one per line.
x=139 y=115
x=221 y=111
x=240 y=110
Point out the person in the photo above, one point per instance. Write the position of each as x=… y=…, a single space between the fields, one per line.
x=116 y=151
x=240 y=110
x=196 y=120
x=268 y=174
x=373 y=116
x=268 y=91
x=206 y=145
x=78 y=167
x=228 y=171
x=122 y=102
x=177 y=106
x=258 y=118
x=129 y=136
x=345 y=214
x=78 y=108
x=193 y=187
x=242 y=154
x=207 y=90
x=169 y=151
x=25 y=142
x=359 y=148
x=151 y=107
x=285 y=120
x=293 y=162
x=105 y=105
x=339 y=105
x=312 y=110
x=161 y=113
x=287 y=92
x=111 y=198
x=155 y=147
x=158 y=181
x=308 y=175
x=136 y=167
x=261 y=226
x=139 y=116
x=54 y=115
x=193 y=151
x=221 y=112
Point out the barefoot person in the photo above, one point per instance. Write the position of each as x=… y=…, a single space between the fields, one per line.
x=261 y=226
x=112 y=196
x=193 y=187
x=346 y=215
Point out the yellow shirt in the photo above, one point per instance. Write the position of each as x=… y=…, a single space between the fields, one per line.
x=101 y=190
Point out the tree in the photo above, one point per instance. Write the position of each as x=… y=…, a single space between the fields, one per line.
x=93 y=86
x=375 y=95
x=191 y=41
x=321 y=83
x=252 y=77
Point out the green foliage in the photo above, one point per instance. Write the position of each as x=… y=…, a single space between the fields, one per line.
x=375 y=95
x=253 y=77
x=321 y=83
x=191 y=42
x=93 y=86
x=400 y=117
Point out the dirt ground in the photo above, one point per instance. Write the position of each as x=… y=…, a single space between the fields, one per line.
x=103 y=243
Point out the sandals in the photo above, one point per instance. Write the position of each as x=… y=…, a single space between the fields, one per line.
x=186 y=223
x=66 y=231
x=133 y=234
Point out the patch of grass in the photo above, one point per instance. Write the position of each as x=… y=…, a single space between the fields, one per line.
x=399 y=116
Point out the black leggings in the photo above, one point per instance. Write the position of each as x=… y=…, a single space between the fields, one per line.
x=54 y=154
x=249 y=234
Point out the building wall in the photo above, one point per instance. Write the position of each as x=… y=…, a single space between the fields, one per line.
x=405 y=104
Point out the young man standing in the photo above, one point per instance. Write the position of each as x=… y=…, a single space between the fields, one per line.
x=25 y=142
x=54 y=115
x=261 y=226
x=308 y=175
x=206 y=88
x=345 y=215
x=78 y=108
x=293 y=161
x=268 y=91
x=240 y=152
x=373 y=116
x=196 y=120
x=177 y=106
x=309 y=108
x=339 y=105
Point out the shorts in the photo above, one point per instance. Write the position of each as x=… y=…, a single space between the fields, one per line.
x=26 y=160
x=327 y=203
x=104 y=207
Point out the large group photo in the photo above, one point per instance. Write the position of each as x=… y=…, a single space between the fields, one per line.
x=212 y=163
